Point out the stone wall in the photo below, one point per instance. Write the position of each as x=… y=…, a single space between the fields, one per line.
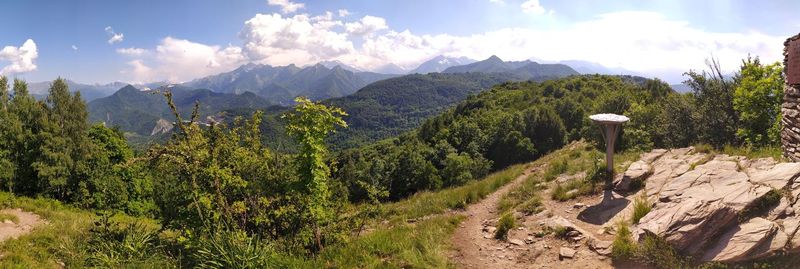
x=790 y=129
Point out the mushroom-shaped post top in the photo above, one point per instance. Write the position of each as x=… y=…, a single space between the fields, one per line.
x=608 y=118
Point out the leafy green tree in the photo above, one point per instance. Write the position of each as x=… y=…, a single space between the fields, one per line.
x=544 y=128
x=309 y=125
x=757 y=100
x=26 y=123
x=715 y=116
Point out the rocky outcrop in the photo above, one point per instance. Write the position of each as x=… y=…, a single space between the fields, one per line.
x=162 y=127
x=720 y=208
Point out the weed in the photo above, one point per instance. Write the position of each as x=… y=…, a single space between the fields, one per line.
x=623 y=247
x=505 y=224
x=640 y=208
x=760 y=205
x=11 y=217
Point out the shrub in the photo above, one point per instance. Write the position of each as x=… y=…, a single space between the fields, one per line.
x=232 y=250
x=505 y=224
x=655 y=251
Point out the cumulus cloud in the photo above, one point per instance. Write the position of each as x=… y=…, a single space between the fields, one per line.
x=75 y=48
x=114 y=37
x=533 y=7
x=300 y=40
x=366 y=26
x=286 y=5
x=179 y=60
x=22 y=59
x=344 y=13
x=132 y=51
x=653 y=45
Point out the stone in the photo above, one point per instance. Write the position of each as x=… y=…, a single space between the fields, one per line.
x=738 y=242
x=516 y=242
x=637 y=172
x=572 y=192
x=696 y=205
x=490 y=229
x=564 y=252
x=601 y=247
x=652 y=156
x=778 y=177
x=579 y=205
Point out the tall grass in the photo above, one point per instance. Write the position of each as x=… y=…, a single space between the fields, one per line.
x=505 y=224
x=640 y=208
x=427 y=203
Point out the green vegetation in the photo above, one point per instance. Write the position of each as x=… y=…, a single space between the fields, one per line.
x=504 y=224
x=218 y=196
x=623 y=247
x=640 y=208
x=10 y=217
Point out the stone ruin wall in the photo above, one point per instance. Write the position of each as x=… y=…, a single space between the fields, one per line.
x=790 y=129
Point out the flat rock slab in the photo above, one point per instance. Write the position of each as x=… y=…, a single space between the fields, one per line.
x=699 y=200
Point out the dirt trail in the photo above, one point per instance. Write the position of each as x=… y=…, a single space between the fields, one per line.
x=26 y=221
x=475 y=247
x=472 y=249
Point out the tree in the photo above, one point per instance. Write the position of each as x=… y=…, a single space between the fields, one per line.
x=309 y=125
x=715 y=116
x=757 y=100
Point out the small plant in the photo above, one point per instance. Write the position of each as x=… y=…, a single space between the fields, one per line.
x=623 y=247
x=555 y=168
x=505 y=224
x=532 y=206
x=11 y=217
x=640 y=208
x=560 y=232
x=703 y=148
x=655 y=251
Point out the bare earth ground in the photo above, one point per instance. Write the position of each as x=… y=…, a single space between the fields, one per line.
x=25 y=224
x=475 y=247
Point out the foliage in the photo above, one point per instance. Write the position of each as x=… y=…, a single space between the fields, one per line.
x=640 y=208
x=623 y=247
x=715 y=112
x=505 y=224
x=757 y=100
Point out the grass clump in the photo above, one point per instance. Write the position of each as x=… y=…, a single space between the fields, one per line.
x=640 y=208
x=655 y=251
x=555 y=168
x=5 y=216
x=623 y=247
x=505 y=224
x=423 y=245
x=560 y=232
x=573 y=189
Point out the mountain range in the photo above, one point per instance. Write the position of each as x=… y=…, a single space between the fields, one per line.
x=440 y=63
x=139 y=111
x=89 y=92
x=383 y=108
x=527 y=69
x=280 y=84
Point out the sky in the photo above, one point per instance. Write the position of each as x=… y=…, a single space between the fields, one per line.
x=146 y=41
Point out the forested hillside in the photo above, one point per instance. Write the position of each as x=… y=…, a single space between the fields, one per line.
x=137 y=111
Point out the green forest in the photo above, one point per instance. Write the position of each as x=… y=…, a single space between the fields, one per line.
x=218 y=196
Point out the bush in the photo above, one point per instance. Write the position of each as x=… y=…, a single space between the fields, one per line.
x=505 y=224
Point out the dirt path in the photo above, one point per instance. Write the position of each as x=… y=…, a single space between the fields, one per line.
x=474 y=246
x=473 y=250
x=25 y=223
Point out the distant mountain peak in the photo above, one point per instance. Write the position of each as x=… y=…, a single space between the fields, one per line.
x=494 y=58
x=440 y=63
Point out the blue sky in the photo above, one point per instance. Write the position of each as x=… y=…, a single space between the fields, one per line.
x=183 y=40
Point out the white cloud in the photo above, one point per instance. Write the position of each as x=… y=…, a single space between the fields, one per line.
x=132 y=51
x=75 y=48
x=533 y=7
x=113 y=36
x=344 y=13
x=366 y=26
x=179 y=60
x=497 y=1
x=22 y=59
x=654 y=45
x=276 y=40
x=286 y=5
